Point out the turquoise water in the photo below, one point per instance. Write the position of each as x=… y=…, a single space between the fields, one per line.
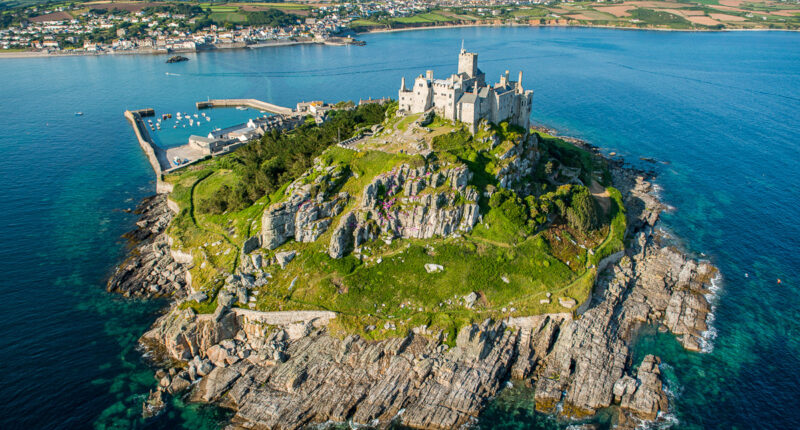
x=721 y=110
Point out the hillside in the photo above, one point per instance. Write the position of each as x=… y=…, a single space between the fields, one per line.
x=410 y=227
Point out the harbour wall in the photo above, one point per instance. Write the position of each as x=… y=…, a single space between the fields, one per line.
x=148 y=146
x=252 y=103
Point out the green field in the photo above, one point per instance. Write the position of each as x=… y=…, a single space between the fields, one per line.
x=234 y=17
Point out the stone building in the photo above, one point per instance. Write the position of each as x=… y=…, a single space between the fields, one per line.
x=466 y=97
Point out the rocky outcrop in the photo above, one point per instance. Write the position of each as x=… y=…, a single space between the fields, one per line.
x=308 y=210
x=591 y=354
x=410 y=202
x=518 y=164
x=643 y=396
x=150 y=270
x=287 y=372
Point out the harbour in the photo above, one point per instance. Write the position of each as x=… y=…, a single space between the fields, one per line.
x=220 y=141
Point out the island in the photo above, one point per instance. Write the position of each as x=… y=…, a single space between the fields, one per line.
x=177 y=59
x=402 y=262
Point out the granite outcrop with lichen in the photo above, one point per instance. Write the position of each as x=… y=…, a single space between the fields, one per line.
x=294 y=373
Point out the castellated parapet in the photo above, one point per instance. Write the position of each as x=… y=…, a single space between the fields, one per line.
x=466 y=97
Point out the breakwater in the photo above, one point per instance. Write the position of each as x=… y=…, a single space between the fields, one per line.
x=252 y=103
x=155 y=155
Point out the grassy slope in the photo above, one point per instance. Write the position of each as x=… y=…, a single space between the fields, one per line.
x=389 y=288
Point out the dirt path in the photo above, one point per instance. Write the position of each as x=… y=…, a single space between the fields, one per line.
x=601 y=195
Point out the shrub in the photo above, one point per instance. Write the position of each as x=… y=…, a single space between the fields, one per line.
x=583 y=214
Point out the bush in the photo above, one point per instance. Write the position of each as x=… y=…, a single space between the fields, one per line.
x=516 y=212
x=583 y=213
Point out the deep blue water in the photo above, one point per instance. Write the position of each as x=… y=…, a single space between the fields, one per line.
x=722 y=109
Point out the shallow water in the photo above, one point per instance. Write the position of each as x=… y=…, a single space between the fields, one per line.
x=720 y=110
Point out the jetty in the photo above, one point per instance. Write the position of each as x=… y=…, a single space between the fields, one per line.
x=155 y=154
x=251 y=103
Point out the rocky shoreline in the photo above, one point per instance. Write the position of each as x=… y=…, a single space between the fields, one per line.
x=150 y=270
x=287 y=372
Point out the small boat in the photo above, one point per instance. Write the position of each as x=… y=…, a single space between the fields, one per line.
x=78 y=113
x=208 y=118
x=174 y=126
x=195 y=115
x=241 y=108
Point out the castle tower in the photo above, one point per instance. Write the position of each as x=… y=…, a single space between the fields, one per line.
x=403 y=83
x=519 y=83
x=468 y=63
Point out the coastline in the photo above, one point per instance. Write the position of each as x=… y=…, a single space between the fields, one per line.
x=149 y=51
x=236 y=352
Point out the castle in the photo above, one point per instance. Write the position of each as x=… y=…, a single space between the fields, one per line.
x=465 y=96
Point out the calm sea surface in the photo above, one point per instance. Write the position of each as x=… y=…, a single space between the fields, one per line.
x=722 y=111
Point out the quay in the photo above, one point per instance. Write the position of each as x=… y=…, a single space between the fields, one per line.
x=252 y=103
x=155 y=154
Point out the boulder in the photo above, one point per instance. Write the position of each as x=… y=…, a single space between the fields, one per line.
x=567 y=302
x=434 y=268
x=283 y=258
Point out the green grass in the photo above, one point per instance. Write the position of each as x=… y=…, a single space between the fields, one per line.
x=408 y=119
x=430 y=17
x=617 y=228
x=216 y=8
x=659 y=18
x=233 y=17
x=365 y=23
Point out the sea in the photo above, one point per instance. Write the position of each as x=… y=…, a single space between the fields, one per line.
x=718 y=112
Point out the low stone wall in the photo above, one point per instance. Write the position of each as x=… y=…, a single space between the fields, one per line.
x=611 y=259
x=282 y=318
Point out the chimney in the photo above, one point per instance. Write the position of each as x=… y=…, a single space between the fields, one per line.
x=519 y=82
x=403 y=83
x=429 y=75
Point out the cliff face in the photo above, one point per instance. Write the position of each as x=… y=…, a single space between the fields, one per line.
x=409 y=202
x=517 y=164
x=308 y=210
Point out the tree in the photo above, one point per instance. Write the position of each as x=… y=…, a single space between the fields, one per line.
x=583 y=214
x=549 y=168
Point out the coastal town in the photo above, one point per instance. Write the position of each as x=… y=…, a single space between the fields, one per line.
x=162 y=27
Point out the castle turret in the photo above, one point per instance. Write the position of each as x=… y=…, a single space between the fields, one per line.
x=429 y=75
x=468 y=63
x=403 y=83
